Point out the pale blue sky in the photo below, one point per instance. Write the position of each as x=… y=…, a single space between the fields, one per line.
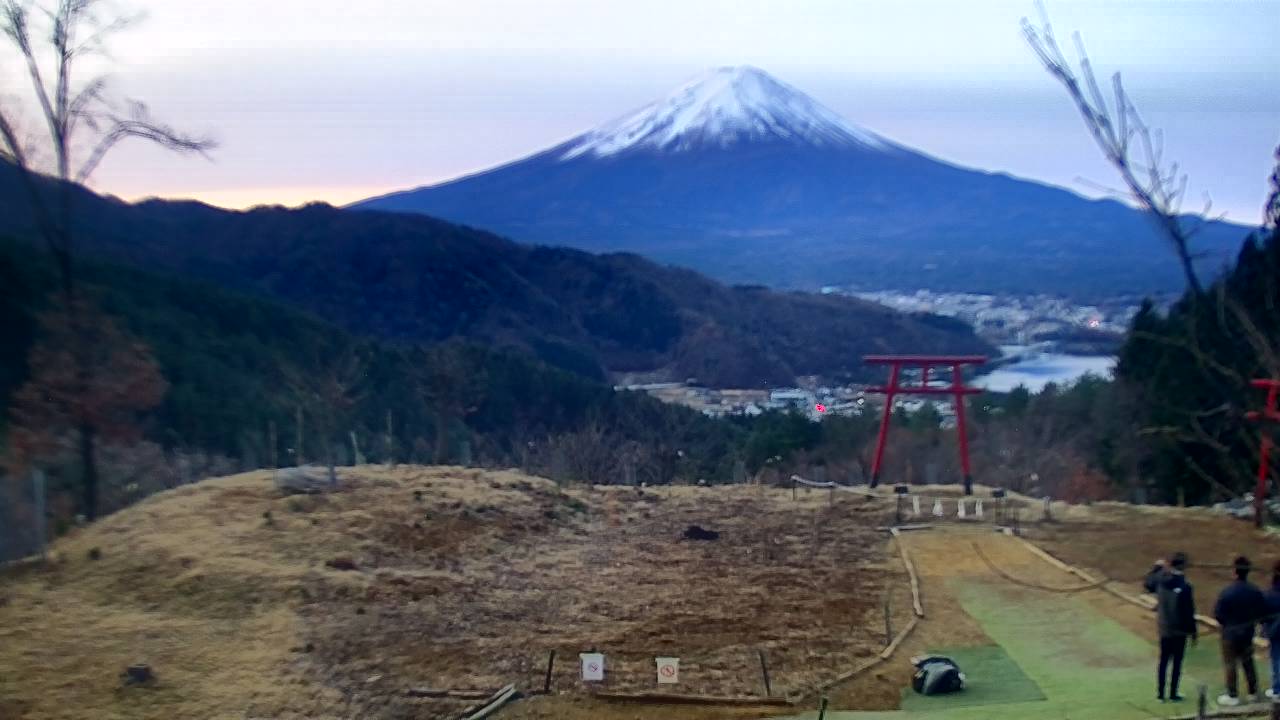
x=335 y=101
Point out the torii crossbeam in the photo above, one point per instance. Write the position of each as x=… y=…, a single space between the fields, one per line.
x=1269 y=415
x=957 y=389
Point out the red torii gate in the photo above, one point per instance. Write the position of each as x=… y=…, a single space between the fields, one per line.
x=957 y=390
x=1271 y=414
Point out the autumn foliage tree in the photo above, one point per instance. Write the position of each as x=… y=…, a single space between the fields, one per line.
x=65 y=409
x=87 y=375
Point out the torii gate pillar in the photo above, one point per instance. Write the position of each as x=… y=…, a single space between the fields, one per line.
x=957 y=389
x=1269 y=415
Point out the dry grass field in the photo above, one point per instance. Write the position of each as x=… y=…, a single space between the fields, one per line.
x=247 y=603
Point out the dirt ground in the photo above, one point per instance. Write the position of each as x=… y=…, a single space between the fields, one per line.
x=247 y=603
x=1121 y=542
x=250 y=604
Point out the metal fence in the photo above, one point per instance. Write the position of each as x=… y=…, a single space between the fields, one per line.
x=23 y=515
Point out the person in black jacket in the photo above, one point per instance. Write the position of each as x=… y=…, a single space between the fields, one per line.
x=1240 y=607
x=1175 y=619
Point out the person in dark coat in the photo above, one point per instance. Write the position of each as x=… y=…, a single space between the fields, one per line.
x=1240 y=607
x=1175 y=619
x=1271 y=628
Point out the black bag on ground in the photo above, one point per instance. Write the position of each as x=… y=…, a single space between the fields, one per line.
x=936 y=675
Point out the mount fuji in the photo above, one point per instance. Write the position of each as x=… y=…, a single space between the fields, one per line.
x=749 y=180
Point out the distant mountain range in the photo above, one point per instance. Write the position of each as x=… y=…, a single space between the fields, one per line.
x=747 y=179
x=416 y=279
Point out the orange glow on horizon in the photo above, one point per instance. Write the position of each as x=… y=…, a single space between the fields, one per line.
x=244 y=198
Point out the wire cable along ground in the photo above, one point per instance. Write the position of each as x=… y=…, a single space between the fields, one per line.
x=1035 y=586
x=1102 y=585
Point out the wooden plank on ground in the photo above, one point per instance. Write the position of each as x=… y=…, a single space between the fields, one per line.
x=1221 y=713
x=888 y=651
x=686 y=699
x=917 y=604
x=498 y=699
x=427 y=692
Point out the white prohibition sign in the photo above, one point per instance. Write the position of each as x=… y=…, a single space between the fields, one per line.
x=592 y=667
x=668 y=670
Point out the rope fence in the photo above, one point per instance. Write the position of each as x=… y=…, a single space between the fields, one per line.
x=892 y=647
x=1105 y=584
x=999 y=509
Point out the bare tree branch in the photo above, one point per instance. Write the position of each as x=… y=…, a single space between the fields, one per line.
x=68 y=111
x=1113 y=129
x=140 y=125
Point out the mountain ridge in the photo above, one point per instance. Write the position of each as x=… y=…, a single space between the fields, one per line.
x=418 y=279
x=873 y=217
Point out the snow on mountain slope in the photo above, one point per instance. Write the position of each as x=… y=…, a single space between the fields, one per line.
x=720 y=108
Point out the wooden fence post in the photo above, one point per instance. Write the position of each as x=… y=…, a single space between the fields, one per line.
x=297 y=446
x=764 y=670
x=391 y=442
x=356 y=457
x=546 y=683
x=38 y=490
x=271 y=445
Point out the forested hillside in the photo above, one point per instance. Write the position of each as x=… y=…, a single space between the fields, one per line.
x=417 y=279
x=241 y=370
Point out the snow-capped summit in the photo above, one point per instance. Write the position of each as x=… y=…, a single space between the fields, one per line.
x=720 y=108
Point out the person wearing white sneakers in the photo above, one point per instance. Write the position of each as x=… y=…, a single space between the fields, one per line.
x=1271 y=629
x=1239 y=609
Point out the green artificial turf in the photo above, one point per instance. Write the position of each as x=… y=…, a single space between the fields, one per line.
x=1085 y=665
x=991 y=678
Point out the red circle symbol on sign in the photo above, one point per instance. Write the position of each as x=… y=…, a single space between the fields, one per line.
x=668 y=670
x=820 y=407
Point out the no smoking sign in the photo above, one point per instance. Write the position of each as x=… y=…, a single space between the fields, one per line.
x=592 y=667
x=668 y=670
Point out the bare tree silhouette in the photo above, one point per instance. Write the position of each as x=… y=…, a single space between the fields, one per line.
x=1133 y=148
x=83 y=122
x=82 y=119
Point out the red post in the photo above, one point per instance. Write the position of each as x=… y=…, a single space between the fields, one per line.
x=1264 y=453
x=890 y=391
x=895 y=388
x=958 y=386
x=1260 y=492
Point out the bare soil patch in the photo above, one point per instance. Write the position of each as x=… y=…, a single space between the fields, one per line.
x=247 y=603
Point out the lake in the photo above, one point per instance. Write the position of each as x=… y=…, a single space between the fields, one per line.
x=1037 y=370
